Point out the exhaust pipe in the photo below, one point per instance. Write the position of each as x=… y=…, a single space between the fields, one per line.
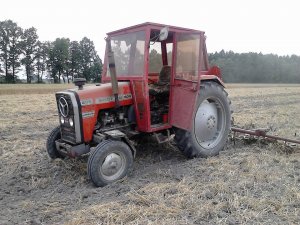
x=112 y=71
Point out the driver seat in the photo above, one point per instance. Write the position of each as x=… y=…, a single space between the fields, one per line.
x=164 y=75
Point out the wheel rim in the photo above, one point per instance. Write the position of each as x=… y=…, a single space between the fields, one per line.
x=113 y=166
x=210 y=123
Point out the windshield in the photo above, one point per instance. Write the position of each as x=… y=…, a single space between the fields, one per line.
x=129 y=52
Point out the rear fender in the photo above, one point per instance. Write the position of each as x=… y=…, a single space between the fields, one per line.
x=212 y=78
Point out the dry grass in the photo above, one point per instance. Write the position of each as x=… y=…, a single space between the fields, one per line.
x=271 y=106
x=12 y=89
x=245 y=184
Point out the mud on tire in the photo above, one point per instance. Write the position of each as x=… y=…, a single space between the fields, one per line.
x=211 y=123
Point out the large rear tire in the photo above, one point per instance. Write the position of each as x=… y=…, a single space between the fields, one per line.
x=51 y=146
x=211 y=123
x=109 y=162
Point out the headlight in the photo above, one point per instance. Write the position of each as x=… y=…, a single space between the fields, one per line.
x=71 y=122
x=62 y=120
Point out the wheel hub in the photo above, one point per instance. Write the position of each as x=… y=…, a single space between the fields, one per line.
x=209 y=123
x=111 y=165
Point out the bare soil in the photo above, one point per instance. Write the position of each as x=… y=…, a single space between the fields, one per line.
x=257 y=183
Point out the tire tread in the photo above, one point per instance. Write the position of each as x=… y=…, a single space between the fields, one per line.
x=50 y=144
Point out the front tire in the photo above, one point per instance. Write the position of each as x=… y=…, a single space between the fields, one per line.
x=51 y=146
x=109 y=162
x=211 y=123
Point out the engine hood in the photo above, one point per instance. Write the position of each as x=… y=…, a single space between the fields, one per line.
x=85 y=105
x=102 y=94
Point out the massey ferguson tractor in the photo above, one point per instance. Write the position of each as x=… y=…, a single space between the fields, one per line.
x=156 y=80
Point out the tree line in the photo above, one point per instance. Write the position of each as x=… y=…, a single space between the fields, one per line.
x=63 y=60
x=256 y=67
x=59 y=60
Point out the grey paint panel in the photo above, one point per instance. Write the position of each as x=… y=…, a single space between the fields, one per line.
x=76 y=114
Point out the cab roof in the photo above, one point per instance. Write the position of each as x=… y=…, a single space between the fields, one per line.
x=155 y=26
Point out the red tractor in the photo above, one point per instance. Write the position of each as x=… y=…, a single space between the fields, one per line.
x=156 y=80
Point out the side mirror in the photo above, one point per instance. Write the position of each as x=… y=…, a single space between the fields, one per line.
x=163 y=34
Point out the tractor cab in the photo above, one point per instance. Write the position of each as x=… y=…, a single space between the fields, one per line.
x=163 y=65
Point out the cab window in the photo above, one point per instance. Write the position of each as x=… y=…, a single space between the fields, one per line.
x=187 y=59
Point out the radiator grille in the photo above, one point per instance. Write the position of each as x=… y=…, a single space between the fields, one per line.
x=67 y=132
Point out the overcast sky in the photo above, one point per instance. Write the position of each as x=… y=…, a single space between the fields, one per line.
x=242 y=26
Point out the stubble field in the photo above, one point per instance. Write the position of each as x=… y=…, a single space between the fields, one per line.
x=256 y=183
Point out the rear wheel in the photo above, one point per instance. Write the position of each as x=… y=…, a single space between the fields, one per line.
x=211 y=123
x=51 y=146
x=109 y=162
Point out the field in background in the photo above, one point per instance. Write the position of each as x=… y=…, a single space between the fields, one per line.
x=7 y=89
x=11 y=89
x=271 y=106
x=245 y=184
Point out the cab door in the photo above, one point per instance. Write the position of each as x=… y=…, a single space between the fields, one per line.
x=185 y=83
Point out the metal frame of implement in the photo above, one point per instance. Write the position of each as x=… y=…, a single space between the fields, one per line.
x=263 y=133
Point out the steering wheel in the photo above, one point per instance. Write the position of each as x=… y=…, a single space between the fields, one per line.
x=152 y=81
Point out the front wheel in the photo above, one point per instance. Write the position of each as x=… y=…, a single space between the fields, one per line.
x=211 y=123
x=51 y=146
x=109 y=162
